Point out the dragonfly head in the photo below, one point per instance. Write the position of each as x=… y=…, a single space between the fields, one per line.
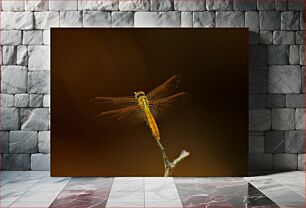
x=138 y=94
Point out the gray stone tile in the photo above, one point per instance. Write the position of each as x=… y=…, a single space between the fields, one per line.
x=7 y=20
x=32 y=37
x=197 y=5
x=71 y=18
x=257 y=56
x=274 y=141
x=157 y=19
x=283 y=37
x=62 y=5
x=276 y=100
x=23 y=142
x=22 y=55
x=98 y=5
x=290 y=20
x=40 y=161
x=285 y=79
x=296 y=5
x=219 y=5
x=252 y=21
x=163 y=5
x=44 y=141
x=266 y=37
x=16 y=161
x=278 y=54
x=285 y=162
x=229 y=19
x=294 y=141
x=9 y=55
x=265 y=5
x=39 y=58
x=256 y=144
x=302 y=20
x=46 y=19
x=259 y=120
x=186 y=19
x=21 y=100
x=299 y=37
x=283 y=118
x=295 y=100
x=300 y=119
x=123 y=19
x=257 y=101
x=258 y=81
x=134 y=5
x=96 y=19
x=269 y=20
x=4 y=141
x=281 y=5
x=39 y=82
x=302 y=55
x=294 y=54
x=260 y=161
x=6 y=100
x=36 y=100
x=301 y=162
x=11 y=37
x=13 y=79
x=10 y=119
x=244 y=5
x=35 y=119
x=203 y=19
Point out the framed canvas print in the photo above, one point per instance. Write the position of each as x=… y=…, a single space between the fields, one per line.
x=149 y=102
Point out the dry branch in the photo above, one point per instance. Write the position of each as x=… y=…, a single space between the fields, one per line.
x=169 y=166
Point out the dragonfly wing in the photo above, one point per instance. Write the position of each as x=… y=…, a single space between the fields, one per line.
x=161 y=106
x=131 y=114
x=165 y=89
x=118 y=102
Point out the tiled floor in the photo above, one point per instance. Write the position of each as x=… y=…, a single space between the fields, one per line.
x=37 y=189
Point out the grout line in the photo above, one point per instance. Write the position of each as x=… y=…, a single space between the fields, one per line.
x=26 y=189
x=289 y=187
x=144 y=192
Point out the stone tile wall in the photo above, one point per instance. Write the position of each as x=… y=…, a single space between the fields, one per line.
x=276 y=68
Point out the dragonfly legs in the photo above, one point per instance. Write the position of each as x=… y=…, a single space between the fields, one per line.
x=169 y=166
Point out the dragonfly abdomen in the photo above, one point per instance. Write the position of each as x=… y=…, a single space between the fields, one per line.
x=149 y=117
x=152 y=124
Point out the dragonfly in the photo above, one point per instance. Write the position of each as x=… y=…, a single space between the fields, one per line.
x=145 y=107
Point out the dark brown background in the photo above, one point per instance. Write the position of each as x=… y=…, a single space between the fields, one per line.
x=213 y=125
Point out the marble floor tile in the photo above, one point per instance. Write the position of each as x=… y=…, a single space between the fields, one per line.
x=6 y=176
x=159 y=183
x=21 y=204
x=192 y=180
x=38 y=196
x=90 y=183
x=39 y=190
x=128 y=184
x=125 y=199
x=8 y=199
x=277 y=192
x=161 y=192
x=15 y=187
x=80 y=199
x=203 y=194
x=29 y=175
x=84 y=192
x=48 y=186
x=295 y=181
x=163 y=198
